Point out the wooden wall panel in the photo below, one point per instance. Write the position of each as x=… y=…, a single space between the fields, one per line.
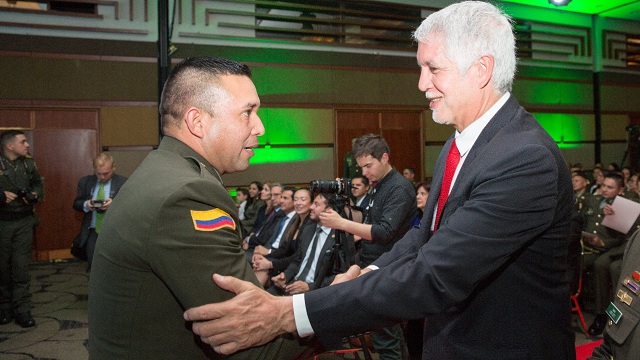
x=66 y=119
x=129 y=126
x=63 y=157
x=401 y=129
x=15 y=118
x=349 y=125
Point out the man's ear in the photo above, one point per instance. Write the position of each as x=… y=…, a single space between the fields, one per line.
x=193 y=119
x=485 y=70
x=384 y=158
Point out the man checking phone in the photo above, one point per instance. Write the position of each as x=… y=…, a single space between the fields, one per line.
x=95 y=193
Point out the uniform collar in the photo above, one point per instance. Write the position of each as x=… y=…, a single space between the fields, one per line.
x=172 y=144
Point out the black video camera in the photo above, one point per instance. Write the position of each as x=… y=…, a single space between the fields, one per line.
x=341 y=189
x=338 y=187
x=27 y=195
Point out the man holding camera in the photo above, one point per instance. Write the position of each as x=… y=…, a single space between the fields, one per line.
x=387 y=217
x=95 y=193
x=23 y=186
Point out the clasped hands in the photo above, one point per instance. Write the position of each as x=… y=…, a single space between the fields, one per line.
x=253 y=317
x=296 y=287
x=259 y=262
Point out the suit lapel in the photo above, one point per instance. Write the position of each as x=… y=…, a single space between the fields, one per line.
x=321 y=266
x=506 y=113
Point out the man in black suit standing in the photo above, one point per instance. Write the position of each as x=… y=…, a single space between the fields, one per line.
x=486 y=268
x=95 y=193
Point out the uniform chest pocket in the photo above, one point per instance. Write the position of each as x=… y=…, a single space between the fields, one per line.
x=620 y=332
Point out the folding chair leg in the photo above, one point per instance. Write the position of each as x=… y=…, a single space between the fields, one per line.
x=576 y=307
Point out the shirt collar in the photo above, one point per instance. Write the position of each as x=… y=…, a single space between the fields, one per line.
x=468 y=136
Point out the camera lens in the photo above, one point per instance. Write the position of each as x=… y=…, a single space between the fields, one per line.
x=340 y=187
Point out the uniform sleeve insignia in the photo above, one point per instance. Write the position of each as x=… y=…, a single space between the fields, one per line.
x=212 y=220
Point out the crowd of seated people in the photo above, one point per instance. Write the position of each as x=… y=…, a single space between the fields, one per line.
x=290 y=251
x=595 y=193
x=274 y=219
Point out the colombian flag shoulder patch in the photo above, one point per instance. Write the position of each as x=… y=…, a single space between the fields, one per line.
x=211 y=220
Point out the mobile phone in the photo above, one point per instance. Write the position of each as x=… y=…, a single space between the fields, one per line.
x=98 y=203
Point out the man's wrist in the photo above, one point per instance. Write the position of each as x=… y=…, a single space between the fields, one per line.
x=287 y=316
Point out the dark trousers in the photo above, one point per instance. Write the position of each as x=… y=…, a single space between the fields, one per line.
x=90 y=245
x=414 y=336
x=603 y=277
x=389 y=343
x=16 y=237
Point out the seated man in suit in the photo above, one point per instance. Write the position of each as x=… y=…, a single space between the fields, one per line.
x=312 y=266
x=277 y=246
x=95 y=193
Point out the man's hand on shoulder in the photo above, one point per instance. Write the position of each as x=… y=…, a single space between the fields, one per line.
x=252 y=318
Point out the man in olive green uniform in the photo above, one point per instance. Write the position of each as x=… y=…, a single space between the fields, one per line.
x=173 y=224
x=580 y=183
x=22 y=186
x=621 y=335
x=603 y=246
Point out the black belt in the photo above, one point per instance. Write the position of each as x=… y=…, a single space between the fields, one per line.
x=11 y=216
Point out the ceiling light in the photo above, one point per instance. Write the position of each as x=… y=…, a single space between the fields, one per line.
x=559 y=2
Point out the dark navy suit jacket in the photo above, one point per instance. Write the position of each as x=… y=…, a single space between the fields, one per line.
x=490 y=281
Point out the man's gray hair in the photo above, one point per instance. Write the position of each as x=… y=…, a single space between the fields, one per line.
x=469 y=30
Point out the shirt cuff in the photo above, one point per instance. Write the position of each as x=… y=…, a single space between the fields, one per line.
x=300 y=314
x=372 y=267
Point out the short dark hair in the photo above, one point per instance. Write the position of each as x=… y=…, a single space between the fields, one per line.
x=244 y=191
x=425 y=184
x=327 y=198
x=289 y=188
x=190 y=84
x=8 y=136
x=365 y=180
x=617 y=177
x=370 y=144
x=581 y=174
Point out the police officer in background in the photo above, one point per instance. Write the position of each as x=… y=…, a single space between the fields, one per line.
x=22 y=187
